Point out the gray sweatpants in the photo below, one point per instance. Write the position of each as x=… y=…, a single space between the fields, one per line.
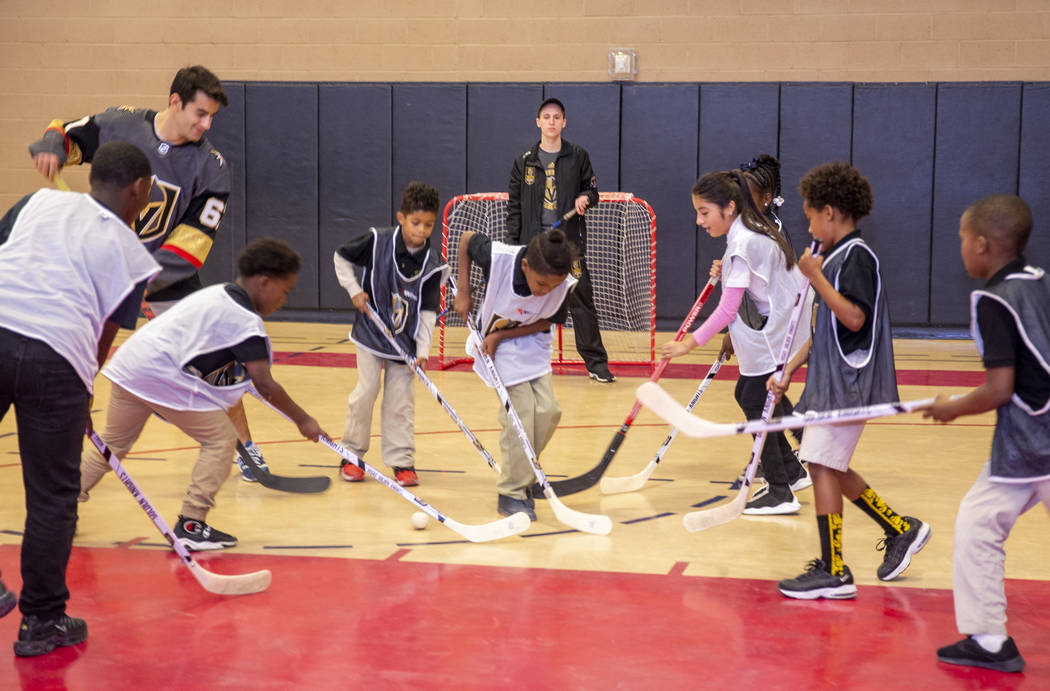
x=986 y=516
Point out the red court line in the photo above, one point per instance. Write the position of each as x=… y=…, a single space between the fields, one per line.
x=923 y=377
x=328 y=623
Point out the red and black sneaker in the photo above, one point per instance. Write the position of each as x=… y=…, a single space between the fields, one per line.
x=351 y=472
x=406 y=477
x=8 y=600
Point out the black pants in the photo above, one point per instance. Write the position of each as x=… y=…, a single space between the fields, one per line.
x=778 y=462
x=51 y=412
x=585 y=322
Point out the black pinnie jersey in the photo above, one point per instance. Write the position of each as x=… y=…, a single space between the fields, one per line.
x=191 y=185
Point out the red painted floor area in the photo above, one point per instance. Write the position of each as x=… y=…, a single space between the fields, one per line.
x=347 y=623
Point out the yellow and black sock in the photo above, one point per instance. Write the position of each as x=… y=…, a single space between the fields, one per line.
x=872 y=504
x=830 y=529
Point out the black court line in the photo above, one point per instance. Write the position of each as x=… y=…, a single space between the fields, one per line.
x=661 y=479
x=556 y=532
x=317 y=465
x=724 y=482
x=314 y=350
x=149 y=544
x=12 y=532
x=434 y=470
x=424 y=544
x=308 y=546
x=648 y=518
x=712 y=500
x=7 y=434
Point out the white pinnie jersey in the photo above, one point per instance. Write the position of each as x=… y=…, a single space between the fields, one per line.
x=67 y=266
x=527 y=357
x=778 y=287
x=153 y=363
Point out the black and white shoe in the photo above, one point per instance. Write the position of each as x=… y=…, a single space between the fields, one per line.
x=900 y=548
x=508 y=506
x=818 y=582
x=198 y=536
x=970 y=653
x=768 y=502
x=8 y=600
x=804 y=480
x=37 y=636
x=601 y=374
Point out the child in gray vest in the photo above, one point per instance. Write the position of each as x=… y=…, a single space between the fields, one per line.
x=1010 y=321
x=850 y=356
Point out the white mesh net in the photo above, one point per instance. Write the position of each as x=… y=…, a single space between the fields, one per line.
x=621 y=232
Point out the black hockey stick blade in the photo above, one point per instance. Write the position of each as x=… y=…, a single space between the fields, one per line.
x=591 y=477
x=281 y=483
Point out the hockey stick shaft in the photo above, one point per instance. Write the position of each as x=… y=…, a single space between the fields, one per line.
x=242 y=584
x=592 y=476
x=700 y=520
x=430 y=386
x=660 y=401
x=597 y=524
x=511 y=525
x=618 y=485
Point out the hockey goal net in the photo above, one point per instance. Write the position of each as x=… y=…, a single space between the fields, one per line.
x=621 y=258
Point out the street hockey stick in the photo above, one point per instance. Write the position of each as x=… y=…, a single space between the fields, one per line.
x=431 y=387
x=505 y=527
x=242 y=584
x=709 y=518
x=297 y=485
x=618 y=485
x=597 y=524
x=661 y=403
x=591 y=477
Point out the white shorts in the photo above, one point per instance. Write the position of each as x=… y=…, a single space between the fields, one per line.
x=830 y=445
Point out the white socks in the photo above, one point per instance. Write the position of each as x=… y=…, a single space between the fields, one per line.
x=992 y=642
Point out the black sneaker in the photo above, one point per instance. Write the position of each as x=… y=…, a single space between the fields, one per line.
x=818 y=582
x=899 y=548
x=969 y=652
x=198 y=536
x=36 y=637
x=767 y=502
x=803 y=480
x=601 y=374
x=507 y=506
x=7 y=600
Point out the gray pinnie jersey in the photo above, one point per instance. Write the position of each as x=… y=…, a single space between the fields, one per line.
x=863 y=377
x=395 y=296
x=191 y=185
x=1021 y=444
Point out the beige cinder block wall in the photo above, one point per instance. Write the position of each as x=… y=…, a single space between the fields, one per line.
x=66 y=58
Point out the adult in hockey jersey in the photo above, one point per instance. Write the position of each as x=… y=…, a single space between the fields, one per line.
x=191 y=181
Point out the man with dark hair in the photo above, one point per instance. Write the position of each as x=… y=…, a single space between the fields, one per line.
x=191 y=179
x=189 y=366
x=71 y=274
x=546 y=182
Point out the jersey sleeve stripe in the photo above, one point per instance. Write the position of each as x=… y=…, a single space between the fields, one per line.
x=189 y=243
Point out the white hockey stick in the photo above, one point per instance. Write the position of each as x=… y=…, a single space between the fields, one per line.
x=660 y=402
x=709 y=518
x=242 y=584
x=597 y=524
x=505 y=527
x=431 y=387
x=618 y=485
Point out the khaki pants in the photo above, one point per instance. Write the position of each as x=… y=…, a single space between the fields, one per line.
x=125 y=418
x=535 y=404
x=986 y=516
x=396 y=417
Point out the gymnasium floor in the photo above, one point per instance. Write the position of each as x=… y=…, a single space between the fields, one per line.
x=362 y=600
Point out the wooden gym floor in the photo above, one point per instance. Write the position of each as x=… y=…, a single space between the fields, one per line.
x=361 y=599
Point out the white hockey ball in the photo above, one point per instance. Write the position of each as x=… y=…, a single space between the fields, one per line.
x=419 y=520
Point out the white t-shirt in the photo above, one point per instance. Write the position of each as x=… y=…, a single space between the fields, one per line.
x=772 y=287
x=152 y=363
x=67 y=266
